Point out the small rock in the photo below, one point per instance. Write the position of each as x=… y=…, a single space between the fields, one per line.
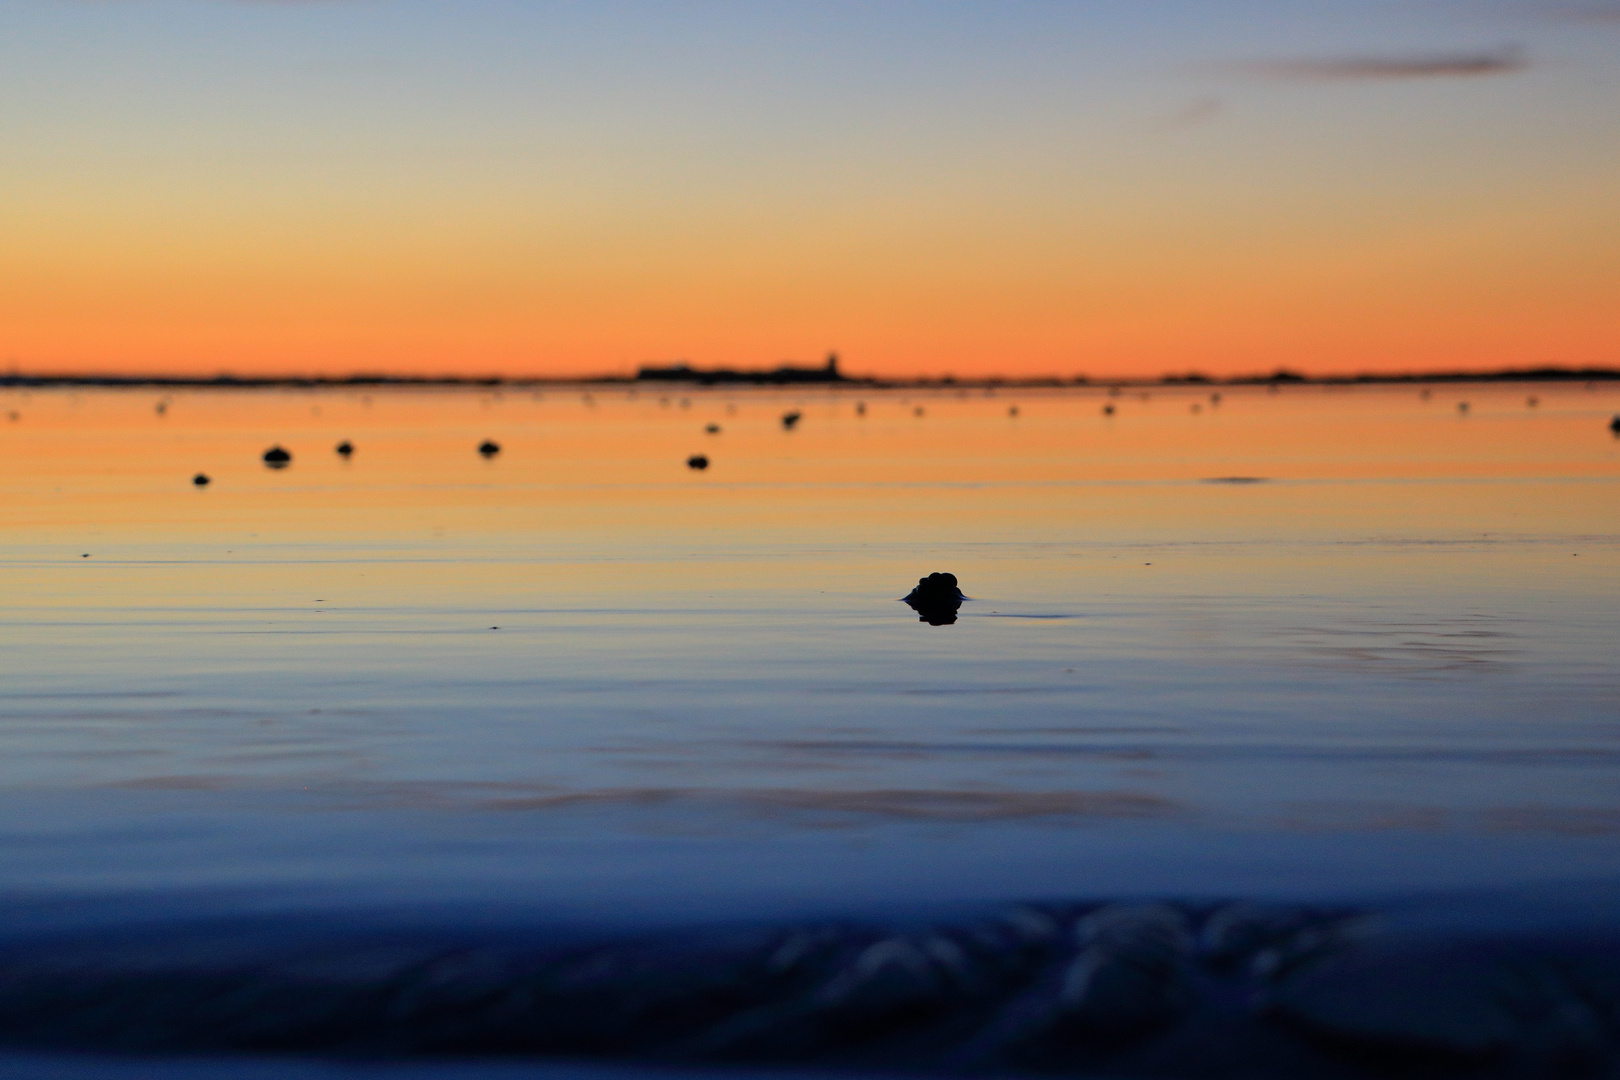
x=489 y=448
x=697 y=461
x=1108 y=410
x=1461 y=1004
x=712 y=429
x=860 y=408
x=1012 y=410
x=1462 y=406
x=201 y=480
x=1131 y=975
x=790 y=420
x=936 y=599
x=345 y=449
x=1614 y=425
x=277 y=457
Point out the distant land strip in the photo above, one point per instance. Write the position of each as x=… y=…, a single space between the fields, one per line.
x=796 y=376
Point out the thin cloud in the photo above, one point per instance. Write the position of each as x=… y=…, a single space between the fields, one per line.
x=1598 y=13
x=1191 y=115
x=1425 y=66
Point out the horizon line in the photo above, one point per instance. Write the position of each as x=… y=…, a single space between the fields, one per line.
x=767 y=378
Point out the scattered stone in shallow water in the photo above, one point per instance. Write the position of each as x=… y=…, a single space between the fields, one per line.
x=345 y=449
x=698 y=461
x=1108 y=410
x=860 y=408
x=1532 y=401
x=1614 y=425
x=712 y=429
x=790 y=420
x=936 y=599
x=1462 y=406
x=1268 y=942
x=489 y=448
x=1012 y=410
x=277 y=457
x=1131 y=975
x=918 y=411
x=201 y=480
x=1054 y=989
x=1530 y=1008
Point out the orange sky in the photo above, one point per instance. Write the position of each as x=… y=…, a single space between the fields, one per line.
x=194 y=188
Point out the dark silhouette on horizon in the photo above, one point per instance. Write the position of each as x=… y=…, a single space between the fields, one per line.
x=783 y=374
x=698 y=462
x=1614 y=425
x=201 y=480
x=345 y=449
x=791 y=419
x=277 y=458
x=489 y=448
x=936 y=599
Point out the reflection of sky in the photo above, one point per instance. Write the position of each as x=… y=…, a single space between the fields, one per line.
x=1040 y=187
x=1389 y=668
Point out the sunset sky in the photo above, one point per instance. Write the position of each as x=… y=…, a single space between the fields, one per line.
x=1113 y=187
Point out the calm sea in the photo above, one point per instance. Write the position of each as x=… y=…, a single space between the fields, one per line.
x=1313 y=645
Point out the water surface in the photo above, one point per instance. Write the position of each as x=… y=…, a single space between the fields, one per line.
x=1322 y=644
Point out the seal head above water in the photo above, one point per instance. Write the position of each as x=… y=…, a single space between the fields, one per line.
x=935 y=599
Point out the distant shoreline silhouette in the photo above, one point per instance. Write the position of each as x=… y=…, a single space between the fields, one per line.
x=827 y=375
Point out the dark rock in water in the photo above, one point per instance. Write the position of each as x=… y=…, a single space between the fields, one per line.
x=790 y=420
x=1526 y=1008
x=1060 y=989
x=201 y=480
x=918 y=411
x=1462 y=406
x=698 y=461
x=489 y=448
x=1108 y=410
x=1614 y=425
x=1131 y=975
x=1233 y=991
x=345 y=448
x=935 y=599
x=1012 y=410
x=712 y=429
x=277 y=458
x=860 y=408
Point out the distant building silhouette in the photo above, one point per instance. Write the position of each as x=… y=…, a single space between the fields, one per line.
x=786 y=373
